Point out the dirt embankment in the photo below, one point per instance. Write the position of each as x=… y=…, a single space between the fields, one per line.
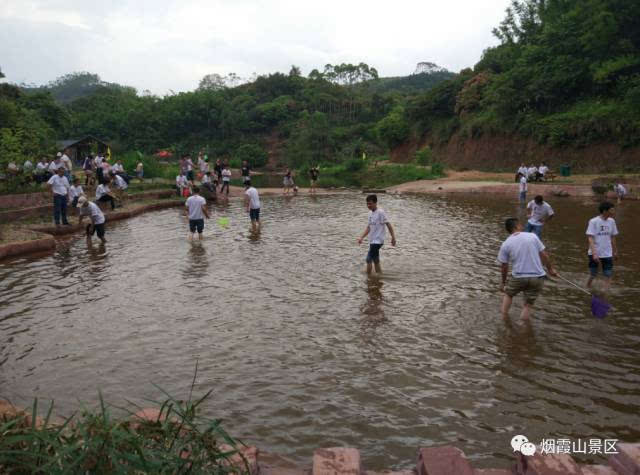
x=508 y=152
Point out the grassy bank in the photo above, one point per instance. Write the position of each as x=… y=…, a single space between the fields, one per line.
x=175 y=440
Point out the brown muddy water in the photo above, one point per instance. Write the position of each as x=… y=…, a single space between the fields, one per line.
x=302 y=350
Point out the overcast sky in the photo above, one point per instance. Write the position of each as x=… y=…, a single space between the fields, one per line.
x=164 y=45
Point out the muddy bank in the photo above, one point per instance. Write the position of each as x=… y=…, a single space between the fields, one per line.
x=495 y=187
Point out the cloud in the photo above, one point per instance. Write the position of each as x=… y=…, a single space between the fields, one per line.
x=170 y=44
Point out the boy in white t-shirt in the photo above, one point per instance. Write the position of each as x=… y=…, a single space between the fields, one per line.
x=375 y=229
x=522 y=187
x=88 y=208
x=197 y=209
x=603 y=249
x=538 y=212
x=620 y=190
x=60 y=188
x=252 y=205
x=525 y=252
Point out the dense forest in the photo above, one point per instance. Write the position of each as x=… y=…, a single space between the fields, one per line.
x=566 y=73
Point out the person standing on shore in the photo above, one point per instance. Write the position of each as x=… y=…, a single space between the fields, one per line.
x=89 y=208
x=620 y=190
x=226 y=178
x=525 y=252
x=287 y=182
x=539 y=212
x=197 y=209
x=218 y=170
x=252 y=205
x=60 y=187
x=375 y=230
x=522 y=187
x=313 y=177
x=603 y=249
x=246 y=171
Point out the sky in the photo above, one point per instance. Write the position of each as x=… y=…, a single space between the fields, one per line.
x=166 y=46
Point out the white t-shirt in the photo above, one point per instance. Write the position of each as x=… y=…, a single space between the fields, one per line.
x=120 y=182
x=194 y=203
x=204 y=166
x=206 y=179
x=532 y=171
x=602 y=231
x=539 y=212
x=377 y=223
x=522 y=251
x=40 y=167
x=66 y=161
x=189 y=165
x=59 y=184
x=75 y=191
x=522 y=170
x=117 y=168
x=27 y=165
x=102 y=190
x=254 y=198
x=97 y=161
x=53 y=166
x=543 y=169
x=94 y=212
x=620 y=189
x=523 y=184
x=226 y=174
x=182 y=181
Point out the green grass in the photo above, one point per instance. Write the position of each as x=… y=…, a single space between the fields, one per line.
x=180 y=441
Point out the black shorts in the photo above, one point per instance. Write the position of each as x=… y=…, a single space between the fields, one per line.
x=254 y=214
x=605 y=262
x=374 y=253
x=196 y=224
x=95 y=229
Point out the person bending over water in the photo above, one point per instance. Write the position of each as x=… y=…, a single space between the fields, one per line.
x=525 y=252
x=88 y=208
x=375 y=230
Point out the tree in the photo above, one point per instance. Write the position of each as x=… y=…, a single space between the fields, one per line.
x=212 y=82
x=1 y=75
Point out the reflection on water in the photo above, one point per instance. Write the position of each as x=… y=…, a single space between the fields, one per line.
x=304 y=350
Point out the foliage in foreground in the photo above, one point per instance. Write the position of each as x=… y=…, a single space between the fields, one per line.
x=180 y=441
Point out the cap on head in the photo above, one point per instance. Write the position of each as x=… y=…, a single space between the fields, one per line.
x=81 y=201
x=59 y=154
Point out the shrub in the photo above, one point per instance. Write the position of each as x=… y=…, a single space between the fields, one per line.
x=354 y=165
x=252 y=153
x=424 y=156
x=437 y=169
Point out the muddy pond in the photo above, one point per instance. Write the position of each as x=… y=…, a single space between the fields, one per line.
x=303 y=350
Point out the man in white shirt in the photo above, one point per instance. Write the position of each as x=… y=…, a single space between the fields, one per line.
x=521 y=171
x=526 y=254
x=66 y=161
x=375 y=229
x=60 y=187
x=197 y=208
x=40 y=171
x=88 y=208
x=620 y=190
x=522 y=187
x=532 y=173
x=603 y=249
x=542 y=170
x=252 y=205
x=538 y=212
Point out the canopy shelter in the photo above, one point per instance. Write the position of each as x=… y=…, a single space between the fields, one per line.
x=77 y=149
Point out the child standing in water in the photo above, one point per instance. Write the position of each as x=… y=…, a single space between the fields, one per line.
x=375 y=230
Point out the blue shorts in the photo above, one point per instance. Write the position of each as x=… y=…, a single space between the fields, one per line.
x=254 y=214
x=374 y=253
x=196 y=224
x=533 y=228
x=607 y=266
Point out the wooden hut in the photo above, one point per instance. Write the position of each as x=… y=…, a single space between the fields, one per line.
x=78 y=149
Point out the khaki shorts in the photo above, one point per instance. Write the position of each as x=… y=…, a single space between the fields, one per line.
x=531 y=286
